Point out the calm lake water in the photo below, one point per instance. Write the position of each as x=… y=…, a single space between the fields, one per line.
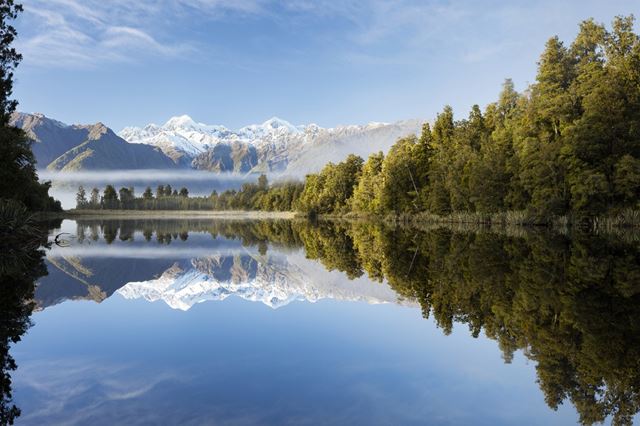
x=288 y=322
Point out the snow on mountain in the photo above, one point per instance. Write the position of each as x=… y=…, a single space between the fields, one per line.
x=277 y=142
x=273 y=280
x=271 y=128
x=179 y=137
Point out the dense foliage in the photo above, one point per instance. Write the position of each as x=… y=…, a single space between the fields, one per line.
x=251 y=196
x=18 y=178
x=570 y=144
x=21 y=264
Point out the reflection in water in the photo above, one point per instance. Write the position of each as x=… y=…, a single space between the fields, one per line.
x=21 y=263
x=570 y=303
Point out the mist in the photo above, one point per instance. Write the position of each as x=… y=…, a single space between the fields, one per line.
x=199 y=183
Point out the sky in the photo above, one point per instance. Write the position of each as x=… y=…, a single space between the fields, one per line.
x=238 y=62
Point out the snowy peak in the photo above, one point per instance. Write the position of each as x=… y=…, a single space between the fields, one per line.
x=274 y=145
x=272 y=127
x=179 y=122
x=274 y=281
x=185 y=124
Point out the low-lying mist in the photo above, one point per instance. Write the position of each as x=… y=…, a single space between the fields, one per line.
x=65 y=184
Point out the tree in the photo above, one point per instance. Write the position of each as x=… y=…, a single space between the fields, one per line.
x=95 y=198
x=439 y=200
x=398 y=190
x=81 y=198
x=263 y=183
x=422 y=157
x=18 y=177
x=160 y=191
x=549 y=113
x=110 y=198
x=127 y=197
x=364 y=194
x=21 y=265
x=147 y=194
x=184 y=192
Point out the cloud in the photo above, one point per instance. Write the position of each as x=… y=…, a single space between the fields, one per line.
x=89 y=387
x=72 y=34
x=87 y=33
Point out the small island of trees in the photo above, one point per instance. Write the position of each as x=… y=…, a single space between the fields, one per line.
x=251 y=196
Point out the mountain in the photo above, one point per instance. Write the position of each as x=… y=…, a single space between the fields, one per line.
x=91 y=278
x=273 y=280
x=273 y=146
x=50 y=138
x=58 y=146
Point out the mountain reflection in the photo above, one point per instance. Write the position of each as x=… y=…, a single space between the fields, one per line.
x=571 y=303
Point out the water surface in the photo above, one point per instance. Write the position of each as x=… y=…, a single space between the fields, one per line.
x=288 y=322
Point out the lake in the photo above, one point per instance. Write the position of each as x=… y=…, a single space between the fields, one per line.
x=201 y=321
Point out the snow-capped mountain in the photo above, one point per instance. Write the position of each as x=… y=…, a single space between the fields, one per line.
x=179 y=137
x=272 y=280
x=275 y=144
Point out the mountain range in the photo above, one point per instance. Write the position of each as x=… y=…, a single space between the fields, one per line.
x=274 y=280
x=275 y=146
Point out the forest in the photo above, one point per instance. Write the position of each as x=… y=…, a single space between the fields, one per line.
x=567 y=145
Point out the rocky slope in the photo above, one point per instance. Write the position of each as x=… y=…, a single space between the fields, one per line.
x=62 y=147
x=273 y=146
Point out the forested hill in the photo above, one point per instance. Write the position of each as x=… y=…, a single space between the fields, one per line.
x=570 y=143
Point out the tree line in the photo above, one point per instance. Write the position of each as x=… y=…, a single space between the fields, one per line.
x=251 y=196
x=568 y=144
x=18 y=177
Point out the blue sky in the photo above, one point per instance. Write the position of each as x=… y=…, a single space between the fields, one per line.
x=236 y=62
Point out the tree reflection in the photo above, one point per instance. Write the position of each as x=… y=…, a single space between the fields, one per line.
x=571 y=303
x=21 y=264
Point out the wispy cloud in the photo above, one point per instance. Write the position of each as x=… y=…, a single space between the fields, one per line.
x=74 y=33
x=83 y=33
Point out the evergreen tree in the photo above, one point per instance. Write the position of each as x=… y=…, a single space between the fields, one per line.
x=439 y=200
x=147 y=194
x=81 y=198
x=364 y=194
x=110 y=198
x=549 y=112
x=422 y=158
x=18 y=178
x=95 y=198
x=263 y=183
x=398 y=191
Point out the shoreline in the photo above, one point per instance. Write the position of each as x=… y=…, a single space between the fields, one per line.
x=177 y=214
